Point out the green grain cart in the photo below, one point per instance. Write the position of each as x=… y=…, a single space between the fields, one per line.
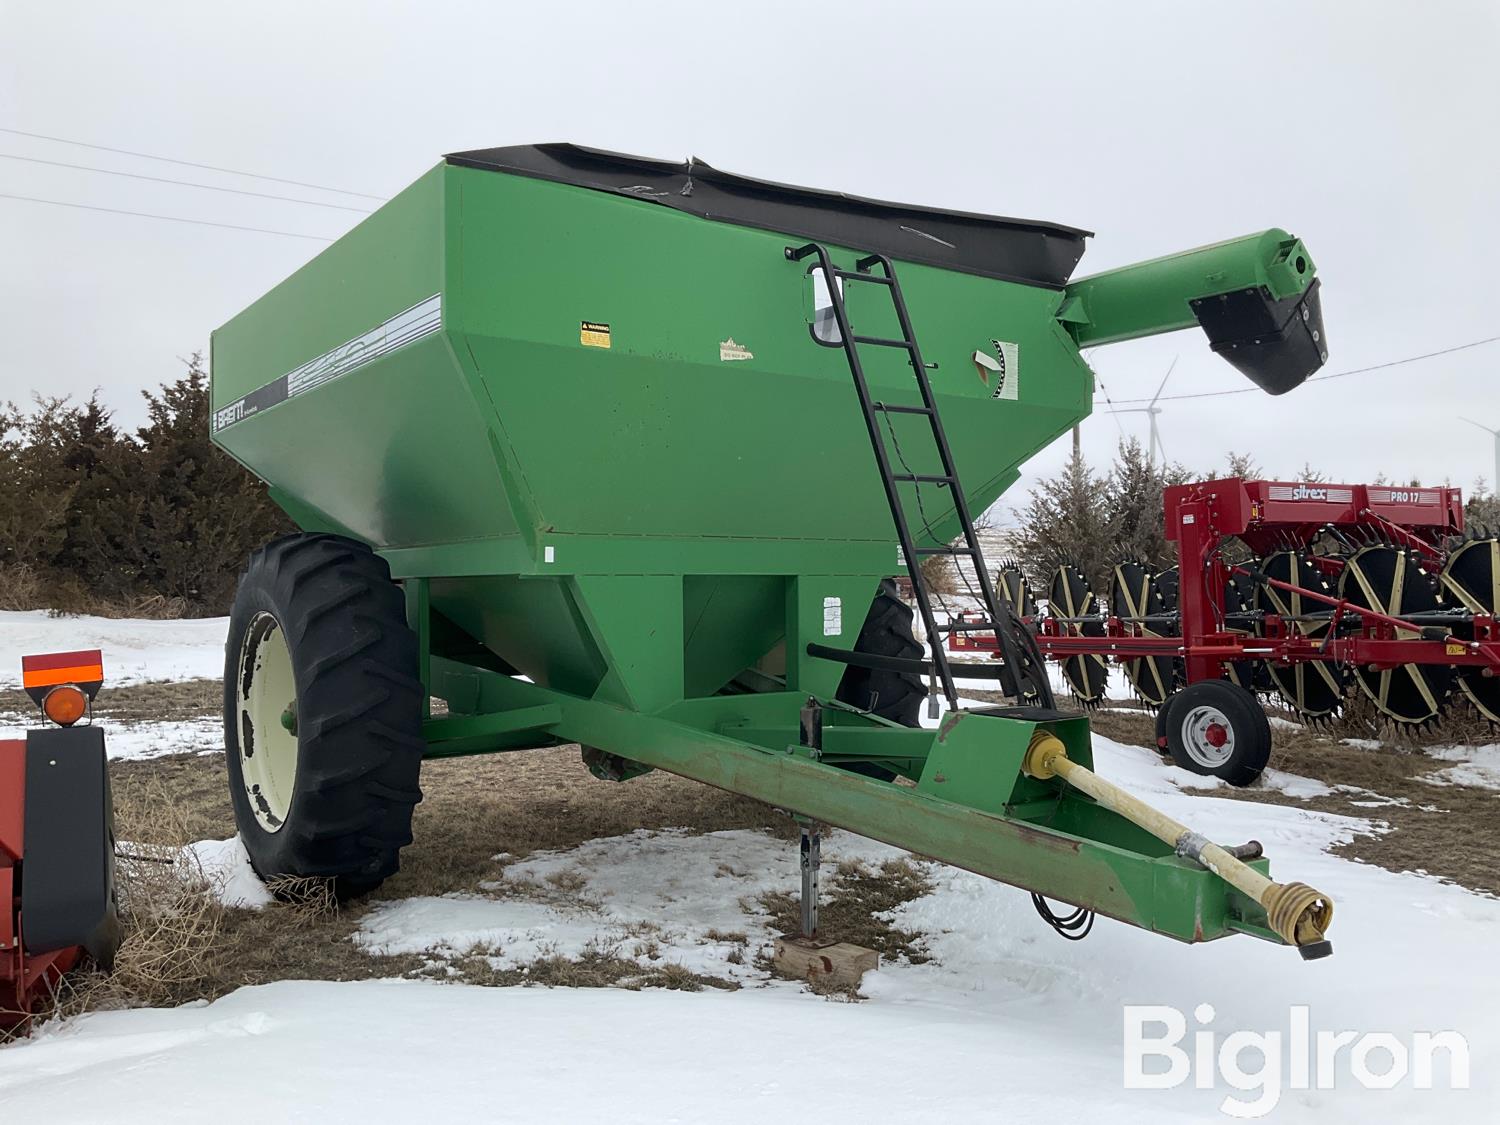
x=624 y=453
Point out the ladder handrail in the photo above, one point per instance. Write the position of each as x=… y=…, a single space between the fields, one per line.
x=910 y=554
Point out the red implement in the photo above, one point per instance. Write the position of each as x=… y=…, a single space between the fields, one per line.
x=26 y=980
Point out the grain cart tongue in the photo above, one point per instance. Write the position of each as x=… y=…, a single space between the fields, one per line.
x=625 y=453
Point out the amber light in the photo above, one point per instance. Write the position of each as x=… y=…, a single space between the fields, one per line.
x=65 y=704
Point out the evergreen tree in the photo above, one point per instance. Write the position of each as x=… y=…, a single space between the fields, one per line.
x=1243 y=465
x=1310 y=475
x=177 y=516
x=1482 y=509
x=1133 y=507
x=37 y=482
x=1066 y=520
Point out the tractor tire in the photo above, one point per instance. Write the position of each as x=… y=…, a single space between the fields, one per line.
x=322 y=715
x=887 y=631
x=1162 y=719
x=1218 y=729
x=896 y=696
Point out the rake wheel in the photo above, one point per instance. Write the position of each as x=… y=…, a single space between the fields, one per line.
x=1393 y=581
x=1313 y=689
x=1471 y=577
x=1135 y=592
x=1070 y=596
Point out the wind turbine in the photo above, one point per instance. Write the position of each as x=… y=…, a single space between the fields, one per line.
x=1495 y=480
x=1152 y=411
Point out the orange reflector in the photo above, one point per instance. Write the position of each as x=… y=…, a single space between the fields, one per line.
x=47 y=670
x=65 y=705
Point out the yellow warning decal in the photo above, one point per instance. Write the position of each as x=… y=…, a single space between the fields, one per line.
x=592 y=335
x=1455 y=648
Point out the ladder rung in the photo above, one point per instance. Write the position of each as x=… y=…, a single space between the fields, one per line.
x=882 y=342
x=921 y=478
x=944 y=551
x=879 y=279
x=891 y=408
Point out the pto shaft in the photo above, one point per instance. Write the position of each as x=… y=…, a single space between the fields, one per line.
x=1294 y=910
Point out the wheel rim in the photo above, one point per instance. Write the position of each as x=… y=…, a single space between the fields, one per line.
x=1207 y=736
x=267 y=713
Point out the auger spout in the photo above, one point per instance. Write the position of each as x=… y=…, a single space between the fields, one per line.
x=1256 y=298
x=1297 y=912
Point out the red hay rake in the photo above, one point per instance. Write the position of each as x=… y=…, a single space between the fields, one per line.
x=1305 y=590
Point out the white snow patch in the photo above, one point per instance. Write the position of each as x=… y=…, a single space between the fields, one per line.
x=134 y=651
x=929 y=723
x=1479 y=766
x=153 y=740
x=222 y=865
x=510 y=932
x=1292 y=784
x=649 y=896
x=393 y=1051
x=225 y=865
x=142 y=740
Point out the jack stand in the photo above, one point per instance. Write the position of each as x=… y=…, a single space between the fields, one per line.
x=834 y=964
x=811 y=852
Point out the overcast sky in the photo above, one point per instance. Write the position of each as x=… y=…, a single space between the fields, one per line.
x=1368 y=129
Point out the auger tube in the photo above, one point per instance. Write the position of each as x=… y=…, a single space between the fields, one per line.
x=1255 y=297
x=1297 y=912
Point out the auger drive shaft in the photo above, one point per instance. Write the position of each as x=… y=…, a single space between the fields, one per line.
x=626 y=453
x=1294 y=910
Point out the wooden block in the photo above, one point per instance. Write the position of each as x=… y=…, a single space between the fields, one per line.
x=834 y=963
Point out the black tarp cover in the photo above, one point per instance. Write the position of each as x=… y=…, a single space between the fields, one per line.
x=1033 y=253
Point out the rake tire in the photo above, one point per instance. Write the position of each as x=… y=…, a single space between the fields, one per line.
x=1240 y=745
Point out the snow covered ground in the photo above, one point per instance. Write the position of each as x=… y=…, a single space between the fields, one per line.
x=134 y=651
x=1006 y=1022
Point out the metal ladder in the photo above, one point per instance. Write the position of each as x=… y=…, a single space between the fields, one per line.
x=911 y=554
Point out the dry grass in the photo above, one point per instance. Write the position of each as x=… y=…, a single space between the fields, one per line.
x=594 y=968
x=851 y=908
x=174 y=945
x=546 y=800
x=940 y=576
x=23 y=588
x=20 y=588
x=180 y=944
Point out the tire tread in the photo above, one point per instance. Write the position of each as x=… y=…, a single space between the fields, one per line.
x=359 y=710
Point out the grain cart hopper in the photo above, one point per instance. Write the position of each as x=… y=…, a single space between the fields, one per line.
x=581 y=444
